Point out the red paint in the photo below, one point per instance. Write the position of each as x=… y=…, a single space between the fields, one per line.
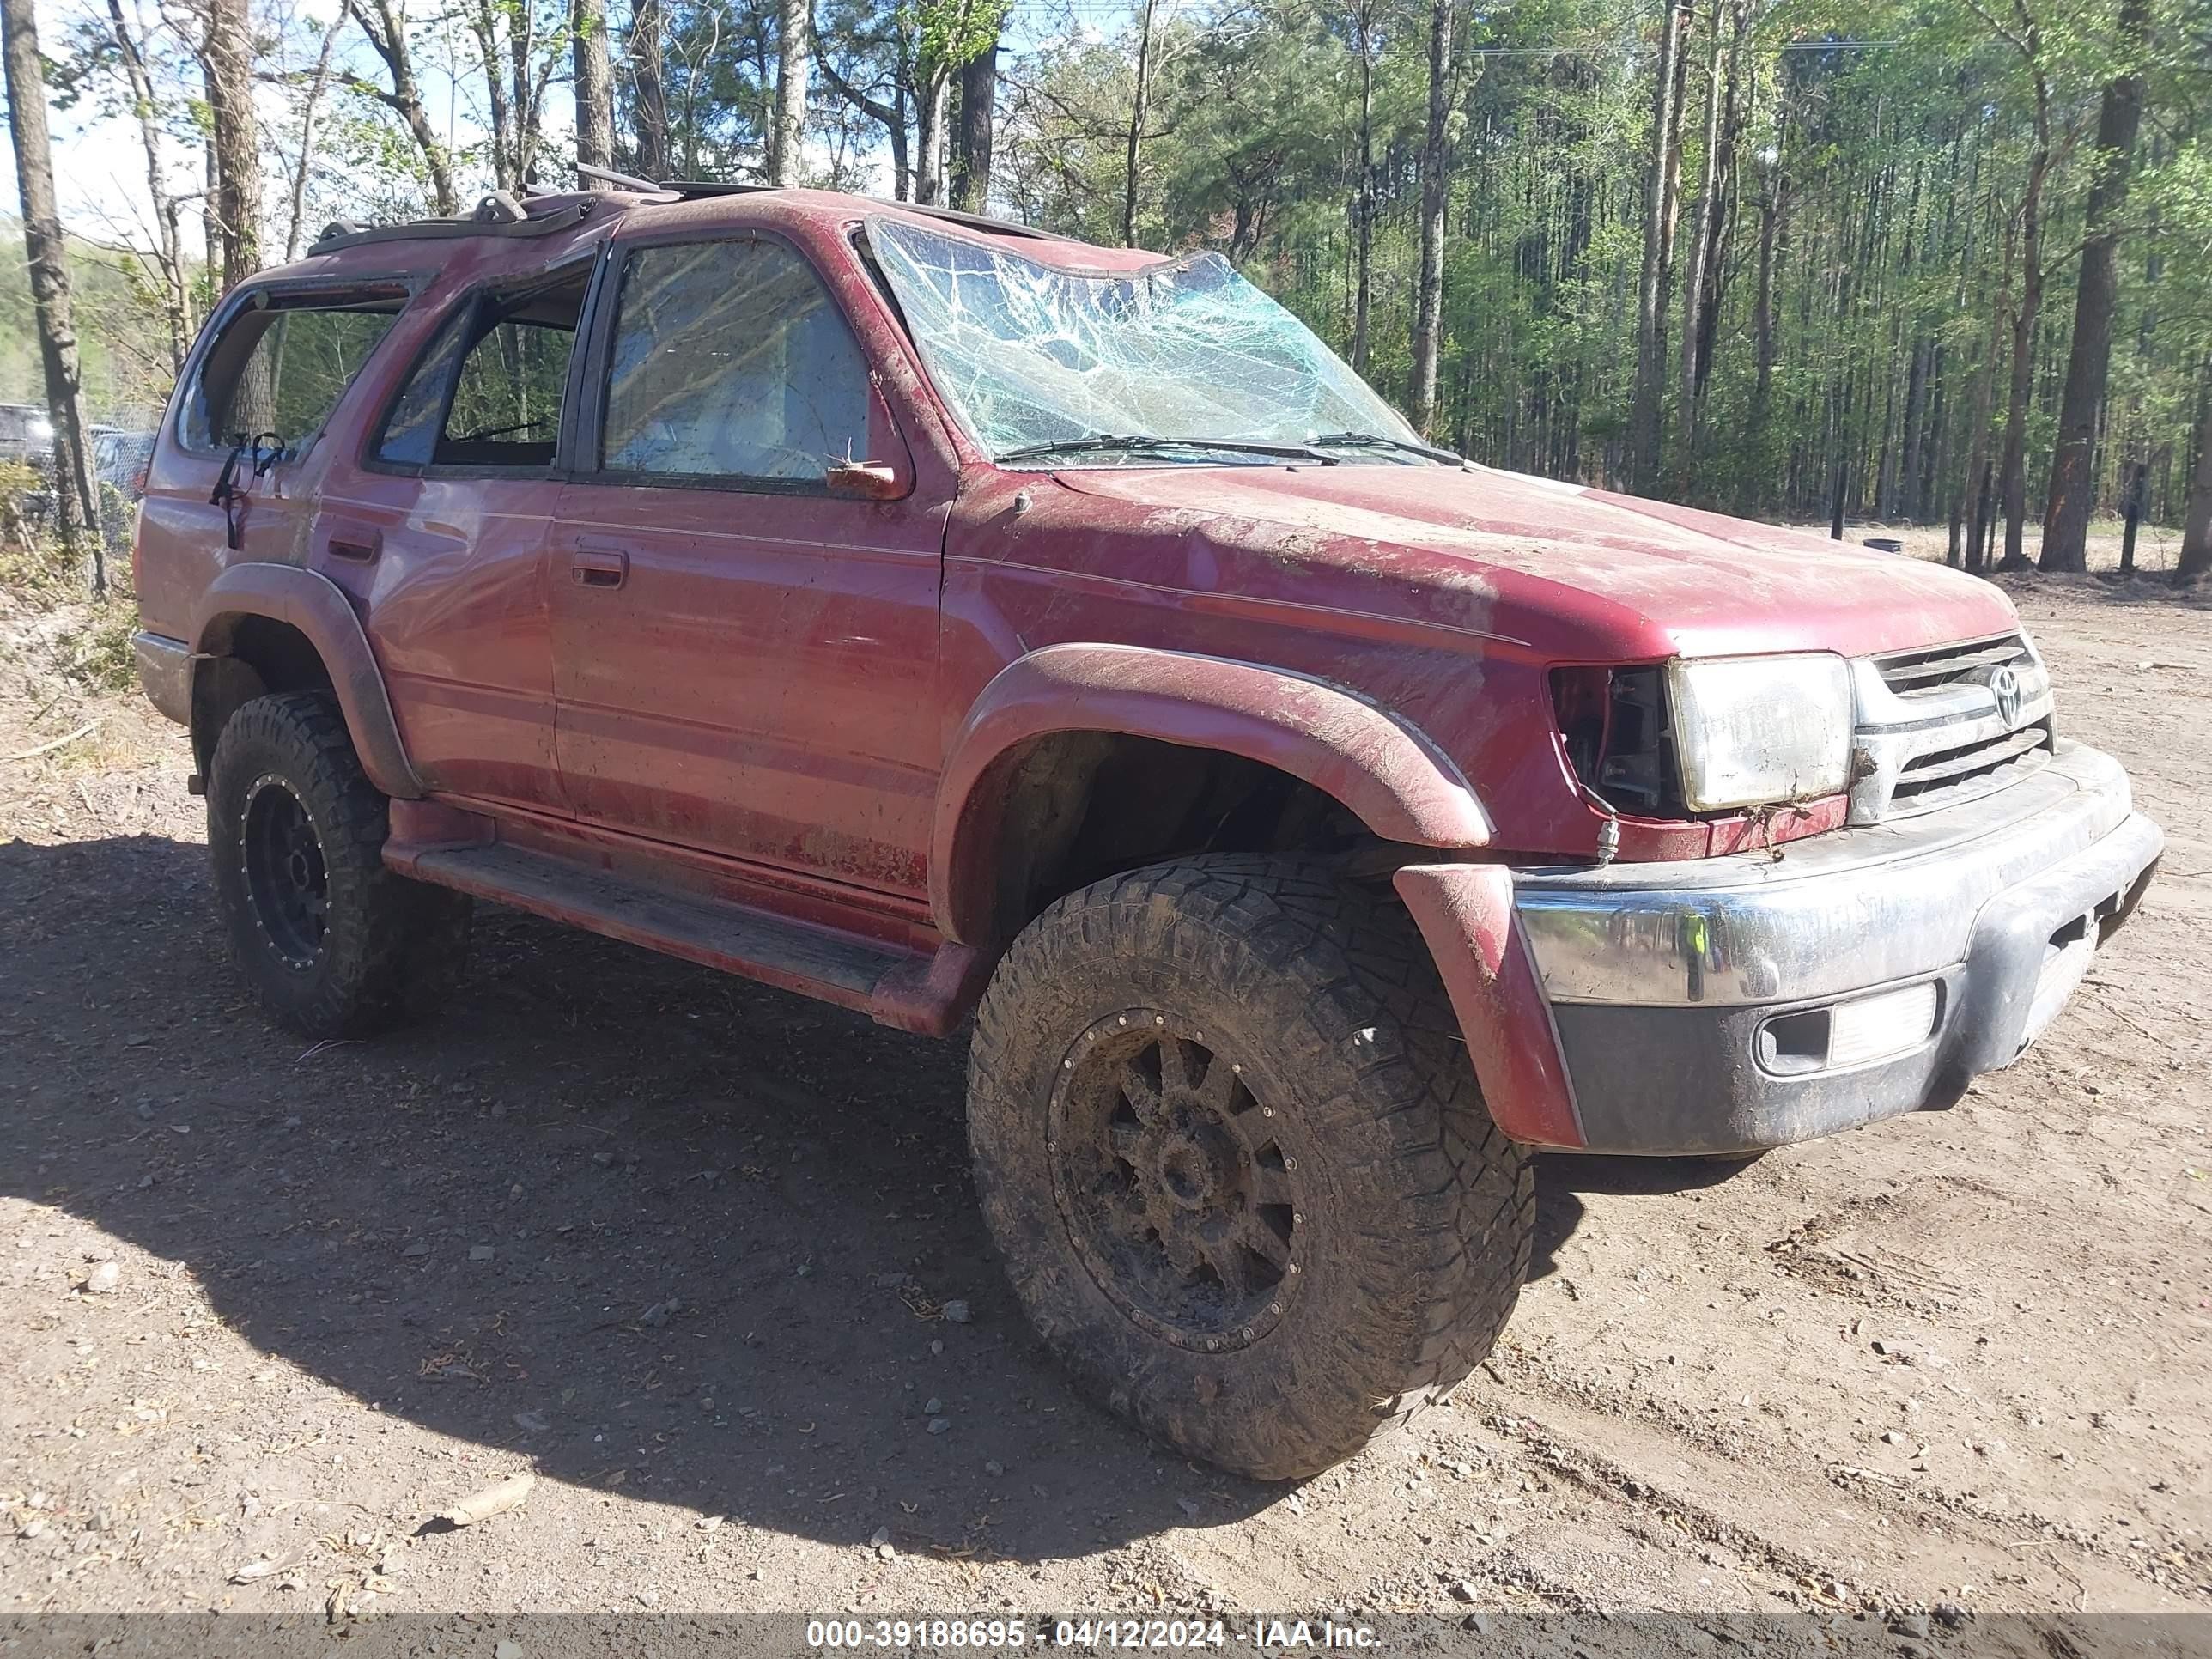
x=809 y=704
x=1398 y=786
x=1465 y=912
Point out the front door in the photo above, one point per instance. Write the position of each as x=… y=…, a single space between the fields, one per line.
x=744 y=661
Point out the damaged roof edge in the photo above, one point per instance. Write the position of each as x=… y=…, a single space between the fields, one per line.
x=501 y=215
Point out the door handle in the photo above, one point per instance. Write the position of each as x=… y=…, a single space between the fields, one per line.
x=591 y=567
x=355 y=543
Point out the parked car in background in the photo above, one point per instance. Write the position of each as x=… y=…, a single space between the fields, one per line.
x=120 y=459
x=938 y=618
x=26 y=436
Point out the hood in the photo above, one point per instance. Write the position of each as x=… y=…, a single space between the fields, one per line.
x=1570 y=571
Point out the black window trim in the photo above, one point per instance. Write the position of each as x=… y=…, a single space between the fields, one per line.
x=469 y=302
x=406 y=286
x=603 y=313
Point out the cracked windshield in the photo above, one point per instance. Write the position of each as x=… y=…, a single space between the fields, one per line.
x=1183 y=361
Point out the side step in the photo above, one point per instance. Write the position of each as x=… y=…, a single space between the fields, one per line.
x=837 y=967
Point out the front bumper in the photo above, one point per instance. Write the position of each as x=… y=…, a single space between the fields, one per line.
x=1695 y=1003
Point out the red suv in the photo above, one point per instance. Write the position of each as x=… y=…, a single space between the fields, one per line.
x=936 y=617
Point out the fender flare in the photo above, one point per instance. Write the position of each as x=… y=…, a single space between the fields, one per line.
x=319 y=609
x=1383 y=771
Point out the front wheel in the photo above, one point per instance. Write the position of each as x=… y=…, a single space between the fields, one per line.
x=335 y=944
x=1237 y=1166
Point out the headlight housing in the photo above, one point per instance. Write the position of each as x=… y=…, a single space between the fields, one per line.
x=1754 y=731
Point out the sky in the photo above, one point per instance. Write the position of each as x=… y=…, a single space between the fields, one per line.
x=99 y=167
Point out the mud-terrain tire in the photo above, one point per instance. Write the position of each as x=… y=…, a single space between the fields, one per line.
x=336 y=944
x=1172 y=1067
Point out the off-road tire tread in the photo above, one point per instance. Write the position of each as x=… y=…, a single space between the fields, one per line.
x=394 y=949
x=1331 y=959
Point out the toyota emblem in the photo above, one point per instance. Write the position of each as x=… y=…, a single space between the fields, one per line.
x=2004 y=686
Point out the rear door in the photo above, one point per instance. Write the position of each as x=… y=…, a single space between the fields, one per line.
x=440 y=533
x=744 y=658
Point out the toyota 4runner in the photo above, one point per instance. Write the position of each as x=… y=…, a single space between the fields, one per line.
x=939 y=618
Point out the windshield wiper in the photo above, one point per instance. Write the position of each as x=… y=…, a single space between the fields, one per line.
x=1106 y=442
x=1376 y=440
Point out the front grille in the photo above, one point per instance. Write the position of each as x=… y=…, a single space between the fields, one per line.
x=1933 y=731
x=1947 y=664
x=1928 y=781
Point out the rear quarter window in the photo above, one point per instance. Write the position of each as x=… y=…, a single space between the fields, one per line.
x=282 y=363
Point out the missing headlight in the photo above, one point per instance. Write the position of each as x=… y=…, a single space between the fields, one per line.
x=1614 y=721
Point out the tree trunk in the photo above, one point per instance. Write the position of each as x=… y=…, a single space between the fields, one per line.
x=2012 y=476
x=308 y=104
x=979 y=99
x=386 y=33
x=176 y=298
x=1661 y=191
x=594 y=84
x=1362 y=200
x=210 y=227
x=929 y=133
x=47 y=255
x=1774 y=185
x=484 y=22
x=2196 y=560
x=1701 y=239
x=523 y=101
x=2073 y=471
x=890 y=117
x=1429 y=297
x=901 y=159
x=1138 y=106
x=793 y=56
x=648 y=71
x=1977 y=467
x=227 y=62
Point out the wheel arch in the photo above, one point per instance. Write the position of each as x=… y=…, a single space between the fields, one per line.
x=263 y=628
x=1054 y=712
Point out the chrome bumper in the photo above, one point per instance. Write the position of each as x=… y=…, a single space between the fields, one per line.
x=1673 y=985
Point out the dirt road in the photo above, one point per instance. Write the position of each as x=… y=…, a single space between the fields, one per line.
x=695 y=1253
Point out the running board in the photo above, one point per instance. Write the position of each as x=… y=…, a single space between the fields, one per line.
x=909 y=989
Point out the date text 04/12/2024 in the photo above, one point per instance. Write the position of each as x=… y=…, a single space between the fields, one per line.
x=1108 y=1632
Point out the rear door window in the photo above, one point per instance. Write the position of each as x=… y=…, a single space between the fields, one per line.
x=488 y=392
x=731 y=363
x=280 y=365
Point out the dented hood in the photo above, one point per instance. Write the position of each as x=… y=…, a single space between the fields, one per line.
x=1565 y=570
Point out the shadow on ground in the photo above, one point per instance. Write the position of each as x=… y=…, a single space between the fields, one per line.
x=610 y=1212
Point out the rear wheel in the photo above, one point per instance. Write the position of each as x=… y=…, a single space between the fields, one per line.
x=1236 y=1163
x=335 y=943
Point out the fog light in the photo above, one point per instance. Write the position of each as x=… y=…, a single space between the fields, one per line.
x=1878 y=1027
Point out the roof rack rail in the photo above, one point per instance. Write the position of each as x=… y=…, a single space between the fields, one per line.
x=496 y=214
x=690 y=188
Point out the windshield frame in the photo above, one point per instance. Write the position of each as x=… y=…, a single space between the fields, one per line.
x=1152 y=268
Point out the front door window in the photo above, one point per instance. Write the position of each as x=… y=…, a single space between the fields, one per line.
x=731 y=363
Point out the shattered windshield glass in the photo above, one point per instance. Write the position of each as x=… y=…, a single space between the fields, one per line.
x=1119 y=363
